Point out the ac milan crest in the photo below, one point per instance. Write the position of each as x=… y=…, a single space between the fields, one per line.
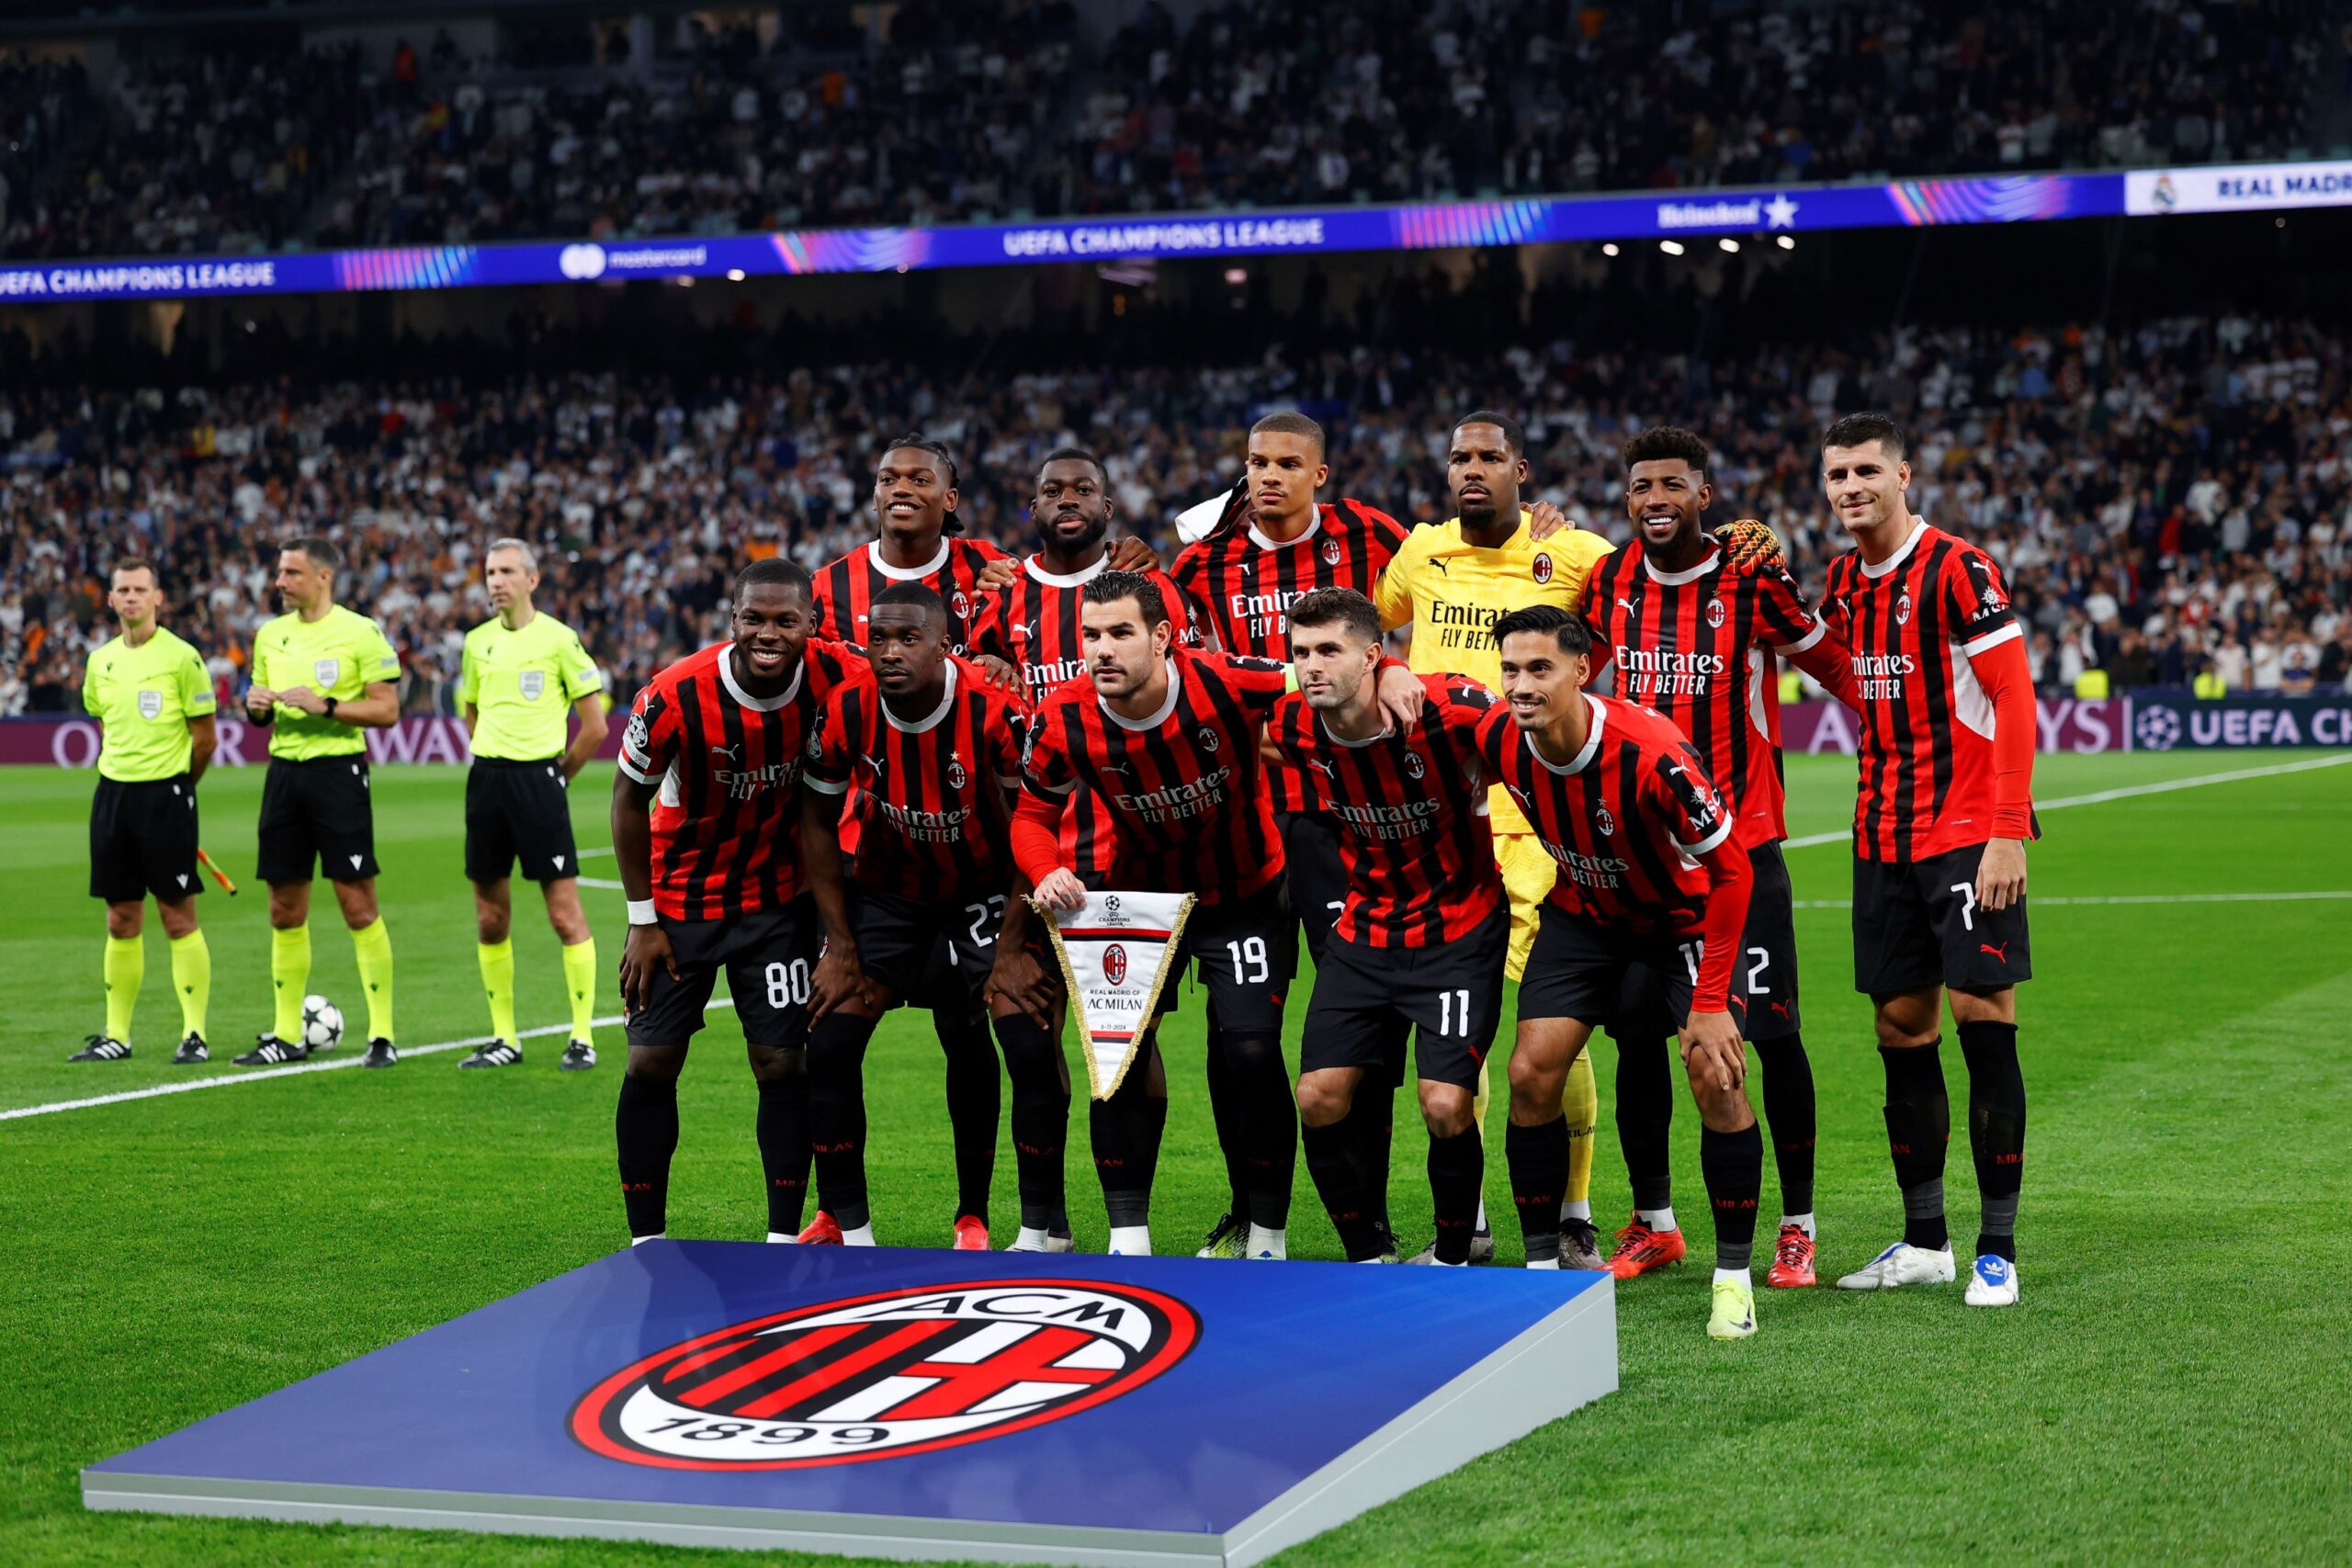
x=1114 y=964
x=961 y=604
x=1414 y=767
x=1332 y=553
x=903 y=1371
x=1903 y=609
x=1542 y=571
x=1603 y=821
x=1714 y=612
x=1207 y=737
x=957 y=777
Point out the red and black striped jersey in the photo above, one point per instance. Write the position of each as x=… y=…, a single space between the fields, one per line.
x=727 y=811
x=1246 y=584
x=928 y=802
x=1034 y=623
x=1181 y=804
x=845 y=590
x=1411 y=810
x=1626 y=819
x=1916 y=623
x=1697 y=646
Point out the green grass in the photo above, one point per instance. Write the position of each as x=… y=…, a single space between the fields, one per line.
x=2170 y=1387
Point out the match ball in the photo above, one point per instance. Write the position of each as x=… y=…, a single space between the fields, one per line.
x=321 y=1024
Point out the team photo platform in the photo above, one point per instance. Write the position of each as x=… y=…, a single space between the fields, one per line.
x=911 y=1402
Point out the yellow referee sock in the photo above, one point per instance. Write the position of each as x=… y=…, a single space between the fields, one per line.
x=1580 y=1100
x=373 y=944
x=126 y=966
x=579 y=981
x=290 y=974
x=497 y=960
x=192 y=979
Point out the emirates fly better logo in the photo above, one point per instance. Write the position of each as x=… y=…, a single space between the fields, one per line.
x=873 y=1377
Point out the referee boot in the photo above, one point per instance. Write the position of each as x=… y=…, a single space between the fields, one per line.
x=496 y=1054
x=269 y=1051
x=381 y=1054
x=578 y=1056
x=193 y=1051
x=101 y=1048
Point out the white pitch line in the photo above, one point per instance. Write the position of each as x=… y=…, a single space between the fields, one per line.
x=1845 y=835
x=2040 y=902
x=604 y=881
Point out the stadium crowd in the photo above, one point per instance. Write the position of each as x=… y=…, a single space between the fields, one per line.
x=2167 y=500
x=961 y=113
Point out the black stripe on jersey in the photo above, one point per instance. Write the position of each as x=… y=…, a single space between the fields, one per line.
x=695 y=749
x=737 y=815
x=1639 y=842
x=1927 y=618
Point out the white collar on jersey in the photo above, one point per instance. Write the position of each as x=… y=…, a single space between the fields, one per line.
x=761 y=704
x=1078 y=579
x=1910 y=543
x=929 y=721
x=1676 y=579
x=1313 y=526
x=1175 y=690
x=908 y=573
x=1325 y=730
x=1583 y=759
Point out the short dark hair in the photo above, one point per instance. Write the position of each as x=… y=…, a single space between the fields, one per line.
x=1345 y=606
x=1074 y=455
x=1110 y=587
x=925 y=598
x=322 y=551
x=1566 y=628
x=1855 y=429
x=779 y=570
x=1663 y=443
x=1514 y=437
x=138 y=563
x=1289 y=421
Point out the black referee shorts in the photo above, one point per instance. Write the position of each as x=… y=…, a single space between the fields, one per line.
x=142 y=840
x=314 y=814
x=518 y=811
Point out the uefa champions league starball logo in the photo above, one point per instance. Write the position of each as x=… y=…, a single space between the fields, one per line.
x=899 y=1373
x=2156 y=729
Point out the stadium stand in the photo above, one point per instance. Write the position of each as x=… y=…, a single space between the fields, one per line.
x=2161 y=496
x=972 y=112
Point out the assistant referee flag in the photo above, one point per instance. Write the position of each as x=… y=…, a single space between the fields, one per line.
x=144 y=696
x=521 y=683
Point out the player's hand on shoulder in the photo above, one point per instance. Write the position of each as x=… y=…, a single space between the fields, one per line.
x=999 y=673
x=1711 y=1046
x=1543 y=520
x=1402 y=695
x=1131 y=554
x=1750 y=547
x=997 y=575
x=1060 y=889
x=647 y=950
x=2000 y=874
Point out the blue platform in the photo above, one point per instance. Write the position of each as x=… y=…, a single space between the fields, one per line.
x=911 y=1403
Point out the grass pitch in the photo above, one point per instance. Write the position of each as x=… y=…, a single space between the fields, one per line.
x=2169 y=1387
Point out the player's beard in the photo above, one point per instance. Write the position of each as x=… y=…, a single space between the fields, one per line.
x=1093 y=535
x=1480 y=515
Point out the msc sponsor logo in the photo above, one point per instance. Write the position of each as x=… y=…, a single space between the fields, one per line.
x=901 y=1373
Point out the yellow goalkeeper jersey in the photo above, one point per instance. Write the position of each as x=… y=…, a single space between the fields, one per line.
x=1453 y=593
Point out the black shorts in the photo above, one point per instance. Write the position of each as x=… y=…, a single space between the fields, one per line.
x=518 y=811
x=1317 y=871
x=1916 y=924
x=924 y=951
x=142 y=840
x=1764 y=977
x=1637 y=983
x=1246 y=952
x=1451 y=993
x=316 y=814
x=768 y=956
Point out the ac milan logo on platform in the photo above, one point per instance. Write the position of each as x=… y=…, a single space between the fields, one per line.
x=1207 y=738
x=903 y=1371
x=1903 y=610
x=1604 y=822
x=1542 y=569
x=1114 y=964
x=1332 y=553
x=1714 y=612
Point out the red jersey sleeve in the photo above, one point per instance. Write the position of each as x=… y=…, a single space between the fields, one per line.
x=1783 y=619
x=650 y=740
x=1006 y=732
x=1183 y=612
x=827 y=770
x=1046 y=768
x=1386 y=534
x=1686 y=802
x=1260 y=683
x=984 y=633
x=1978 y=601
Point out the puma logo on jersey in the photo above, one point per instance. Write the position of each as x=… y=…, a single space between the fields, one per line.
x=728 y=751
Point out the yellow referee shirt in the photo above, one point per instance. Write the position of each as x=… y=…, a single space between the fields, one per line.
x=1453 y=593
x=144 y=697
x=521 y=683
x=339 y=655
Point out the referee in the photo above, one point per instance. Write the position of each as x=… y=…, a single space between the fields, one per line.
x=154 y=705
x=320 y=674
x=522 y=671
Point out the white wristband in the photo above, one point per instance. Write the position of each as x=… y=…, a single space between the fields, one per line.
x=641 y=912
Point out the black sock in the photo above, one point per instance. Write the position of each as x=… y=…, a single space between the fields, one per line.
x=1269 y=1125
x=1457 y=1171
x=1224 y=1110
x=1645 y=1120
x=1918 y=1124
x=782 y=1133
x=975 y=1104
x=1125 y=1129
x=1538 y=1157
x=1789 y=1106
x=1996 y=1131
x=1339 y=1181
x=645 y=1128
x=1371 y=1119
x=1732 y=1165
x=837 y=1115
x=1040 y=1118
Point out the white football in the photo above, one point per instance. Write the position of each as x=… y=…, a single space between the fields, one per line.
x=321 y=1024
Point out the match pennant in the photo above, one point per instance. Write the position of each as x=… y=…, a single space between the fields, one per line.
x=1115 y=951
